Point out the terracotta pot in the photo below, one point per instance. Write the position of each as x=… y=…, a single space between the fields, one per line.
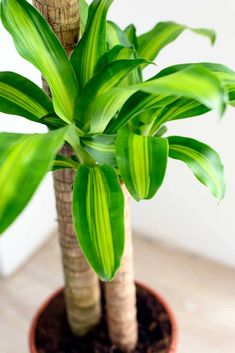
x=159 y=298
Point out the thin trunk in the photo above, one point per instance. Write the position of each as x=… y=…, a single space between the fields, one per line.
x=82 y=291
x=121 y=295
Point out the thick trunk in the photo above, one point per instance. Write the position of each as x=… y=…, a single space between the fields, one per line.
x=63 y=16
x=121 y=295
x=82 y=289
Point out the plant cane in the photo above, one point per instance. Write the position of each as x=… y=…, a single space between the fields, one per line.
x=113 y=123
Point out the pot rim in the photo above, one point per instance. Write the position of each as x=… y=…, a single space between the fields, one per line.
x=153 y=292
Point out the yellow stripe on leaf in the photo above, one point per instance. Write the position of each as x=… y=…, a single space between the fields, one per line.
x=98 y=215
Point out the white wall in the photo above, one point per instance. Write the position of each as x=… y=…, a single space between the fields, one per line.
x=183 y=213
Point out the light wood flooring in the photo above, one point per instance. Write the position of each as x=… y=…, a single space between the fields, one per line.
x=202 y=294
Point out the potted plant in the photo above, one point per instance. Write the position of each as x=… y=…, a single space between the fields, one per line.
x=107 y=139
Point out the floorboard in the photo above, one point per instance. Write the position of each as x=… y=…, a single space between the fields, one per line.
x=201 y=292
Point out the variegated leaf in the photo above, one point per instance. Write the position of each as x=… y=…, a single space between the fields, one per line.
x=194 y=82
x=101 y=148
x=36 y=42
x=204 y=162
x=164 y=33
x=20 y=96
x=93 y=42
x=142 y=162
x=24 y=161
x=98 y=215
x=98 y=103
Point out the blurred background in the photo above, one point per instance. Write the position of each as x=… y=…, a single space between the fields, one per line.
x=183 y=215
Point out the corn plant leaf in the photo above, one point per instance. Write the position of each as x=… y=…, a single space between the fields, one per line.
x=84 y=8
x=142 y=162
x=118 y=52
x=185 y=108
x=20 y=96
x=195 y=82
x=130 y=32
x=181 y=108
x=98 y=216
x=93 y=42
x=223 y=73
x=53 y=121
x=226 y=75
x=62 y=162
x=36 y=42
x=24 y=161
x=101 y=148
x=204 y=162
x=136 y=104
x=121 y=53
x=164 y=33
x=98 y=103
x=116 y=36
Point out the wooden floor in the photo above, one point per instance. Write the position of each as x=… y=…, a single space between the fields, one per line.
x=201 y=293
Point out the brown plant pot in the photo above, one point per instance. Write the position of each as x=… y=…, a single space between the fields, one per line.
x=161 y=336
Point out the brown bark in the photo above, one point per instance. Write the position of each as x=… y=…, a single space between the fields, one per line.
x=121 y=294
x=63 y=16
x=82 y=289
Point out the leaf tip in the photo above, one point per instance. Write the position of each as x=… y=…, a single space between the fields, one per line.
x=213 y=37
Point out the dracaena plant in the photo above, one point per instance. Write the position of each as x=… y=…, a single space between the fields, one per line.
x=112 y=119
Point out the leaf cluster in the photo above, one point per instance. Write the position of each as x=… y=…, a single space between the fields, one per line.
x=112 y=119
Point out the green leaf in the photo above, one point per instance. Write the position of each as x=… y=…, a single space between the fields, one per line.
x=101 y=148
x=185 y=108
x=130 y=31
x=164 y=33
x=102 y=97
x=24 y=161
x=93 y=43
x=142 y=162
x=84 y=8
x=204 y=162
x=227 y=76
x=98 y=215
x=121 y=53
x=181 y=108
x=194 y=82
x=62 y=162
x=73 y=138
x=36 y=42
x=20 y=96
x=136 y=104
x=116 y=36
x=116 y=53
x=223 y=73
x=98 y=103
x=53 y=121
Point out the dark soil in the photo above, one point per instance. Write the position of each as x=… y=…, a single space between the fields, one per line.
x=54 y=336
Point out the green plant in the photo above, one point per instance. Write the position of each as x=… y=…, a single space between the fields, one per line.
x=112 y=118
